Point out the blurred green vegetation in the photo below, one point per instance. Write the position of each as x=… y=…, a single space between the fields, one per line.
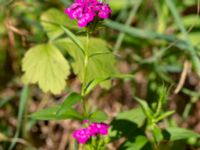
x=153 y=39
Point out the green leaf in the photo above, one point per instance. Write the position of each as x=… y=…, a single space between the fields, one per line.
x=127 y=125
x=145 y=107
x=191 y=49
x=174 y=134
x=165 y=115
x=45 y=65
x=51 y=114
x=142 y=34
x=162 y=92
x=74 y=38
x=52 y=18
x=137 y=144
x=69 y=101
x=91 y=85
x=98 y=116
x=99 y=66
x=135 y=115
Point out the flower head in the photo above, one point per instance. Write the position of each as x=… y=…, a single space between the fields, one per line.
x=82 y=135
x=86 y=10
x=93 y=129
x=98 y=128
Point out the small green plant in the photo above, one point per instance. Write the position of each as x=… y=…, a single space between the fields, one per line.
x=92 y=62
x=149 y=126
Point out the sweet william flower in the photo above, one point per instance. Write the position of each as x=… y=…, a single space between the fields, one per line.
x=98 y=128
x=103 y=128
x=82 y=135
x=104 y=12
x=94 y=129
x=86 y=10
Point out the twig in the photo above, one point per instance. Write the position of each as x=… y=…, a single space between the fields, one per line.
x=186 y=70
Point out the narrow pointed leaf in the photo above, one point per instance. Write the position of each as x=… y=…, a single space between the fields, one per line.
x=91 y=85
x=51 y=114
x=174 y=134
x=165 y=115
x=69 y=101
x=98 y=116
x=147 y=111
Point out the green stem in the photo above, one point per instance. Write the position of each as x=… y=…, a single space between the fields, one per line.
x=84 y=75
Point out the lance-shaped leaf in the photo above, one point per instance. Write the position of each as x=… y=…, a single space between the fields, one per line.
x=44 y=64
x=145 y=107
x=174 y=134
x=98 y=116
x=69 y=101
x=91 y=85
x=164 y=115
x=51 y=114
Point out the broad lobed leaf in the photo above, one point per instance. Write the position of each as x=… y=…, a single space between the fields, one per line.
x=45 y=65
x=101 y=63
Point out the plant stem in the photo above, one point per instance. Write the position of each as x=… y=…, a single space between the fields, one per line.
x=84 y=75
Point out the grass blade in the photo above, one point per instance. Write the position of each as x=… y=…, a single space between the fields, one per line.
x=22 y=107
x=135 y=32
x=128 y=22
x=191 y=49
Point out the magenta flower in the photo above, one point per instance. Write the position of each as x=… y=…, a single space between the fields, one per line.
x=103 y=128
x=93 y=129
x=82 y=135
x=98 y=128
x=86 y=10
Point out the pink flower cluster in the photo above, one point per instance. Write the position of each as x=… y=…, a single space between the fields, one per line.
x=86 y=10
x=84 y=134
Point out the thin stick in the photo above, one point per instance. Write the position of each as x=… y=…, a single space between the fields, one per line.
x=186 y=70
